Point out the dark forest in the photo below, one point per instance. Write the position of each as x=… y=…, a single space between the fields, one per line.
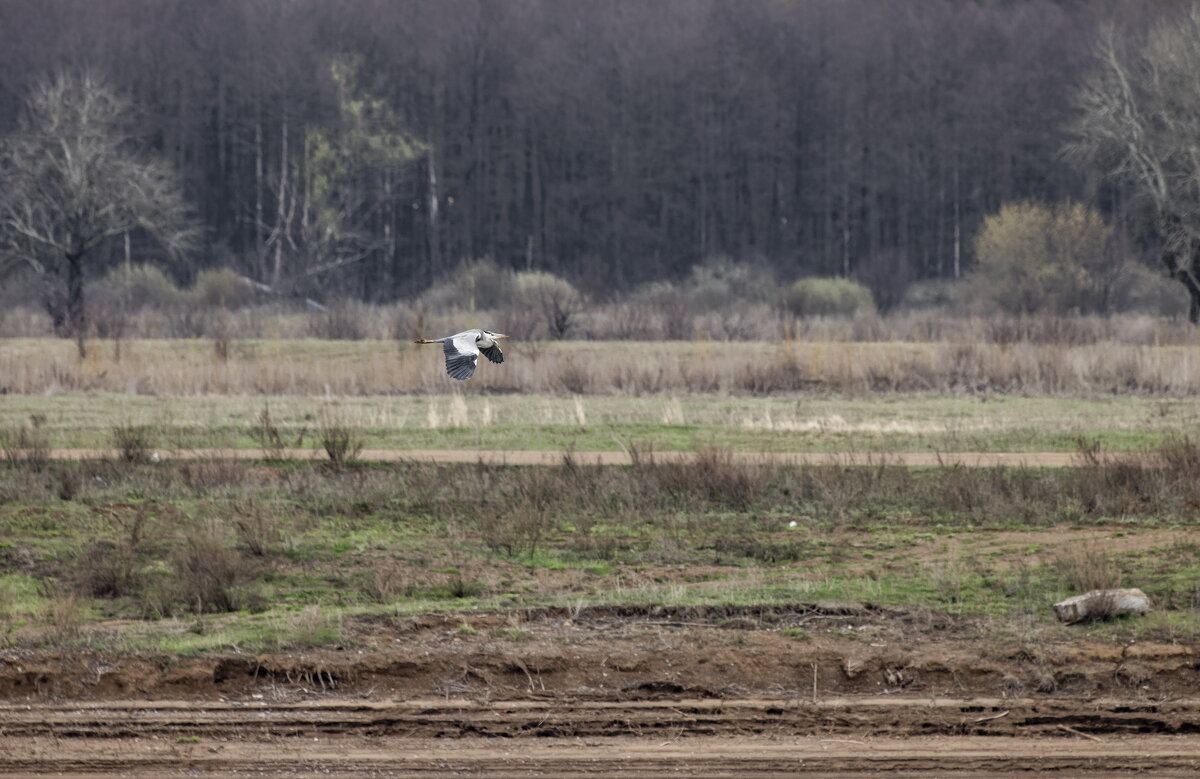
x=365 y=148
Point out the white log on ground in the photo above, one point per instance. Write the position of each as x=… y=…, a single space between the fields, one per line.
x=1101 y=604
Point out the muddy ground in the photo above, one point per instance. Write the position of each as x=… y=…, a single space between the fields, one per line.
x=836 y=690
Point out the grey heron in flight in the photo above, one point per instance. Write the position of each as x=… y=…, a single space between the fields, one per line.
x=463 y=349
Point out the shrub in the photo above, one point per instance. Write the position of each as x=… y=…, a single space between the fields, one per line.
x=212 y=572
x=343 y=320
x=721 y=283
x=1152 y=292
x=476 y=285
x=936 y=294
x=828 y=297
x=671 y=306
x=133 y=443
x=257 y=528
x=1086 y=567
x=554 y=299
x=266 y=433
x=339 y=440
x=27 y=446
x=1033 y=257
x=110 y=569
x=221 y=287
x=135 y=287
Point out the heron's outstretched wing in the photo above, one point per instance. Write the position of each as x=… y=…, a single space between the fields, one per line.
x=461 y=355
x=493 y=353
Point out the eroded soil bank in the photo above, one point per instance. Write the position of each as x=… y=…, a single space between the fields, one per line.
x=802 y=651
x=615 y=692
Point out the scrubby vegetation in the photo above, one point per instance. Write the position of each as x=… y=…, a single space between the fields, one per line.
x=155 y=540
x=1055 y=296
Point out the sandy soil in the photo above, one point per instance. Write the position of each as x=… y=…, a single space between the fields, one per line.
x=715 y=691
x=249 y=751
x=521 y=457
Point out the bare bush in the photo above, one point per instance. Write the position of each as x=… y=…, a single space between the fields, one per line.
x=110 y=569
x=266 y=433
x=258 y=528
x=1087 y=567
x=133 y=442
x=713 y=475
x=63 y=614
x=69 y=480
x=344 y=320
x=554 y=299
x=27 y=446
x=212 y=573
x=341 y=442
x=388 y=582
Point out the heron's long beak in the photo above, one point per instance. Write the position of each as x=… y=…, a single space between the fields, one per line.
x=500 y=335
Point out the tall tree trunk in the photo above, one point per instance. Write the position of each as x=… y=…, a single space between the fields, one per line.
x=281 y=220
x=957 y=224
x=259 y=237
x=1185 y=276
x=76 y=317
x=435 y=245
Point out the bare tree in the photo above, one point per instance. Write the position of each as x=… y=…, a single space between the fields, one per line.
x=1139 y=123
x=72 y=180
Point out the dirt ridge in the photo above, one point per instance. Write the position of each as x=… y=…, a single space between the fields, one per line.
x=572 y=718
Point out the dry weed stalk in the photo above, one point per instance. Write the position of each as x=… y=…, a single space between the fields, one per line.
x=1085 y=567
x=338 y=438
x=27 y=446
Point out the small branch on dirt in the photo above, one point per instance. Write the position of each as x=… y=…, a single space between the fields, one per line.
x=994 y=716
x=814 y=700
x=1080 y=733
x=842 y=741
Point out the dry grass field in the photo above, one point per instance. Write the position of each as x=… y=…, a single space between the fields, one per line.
x=355 y=368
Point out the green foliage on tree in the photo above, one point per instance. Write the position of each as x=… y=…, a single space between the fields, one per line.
x=351 y=169
x=1034 y=257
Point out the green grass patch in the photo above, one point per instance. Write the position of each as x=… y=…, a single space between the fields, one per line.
x=821 y=424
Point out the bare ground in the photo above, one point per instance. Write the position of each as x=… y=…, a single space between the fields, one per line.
x=606 y=691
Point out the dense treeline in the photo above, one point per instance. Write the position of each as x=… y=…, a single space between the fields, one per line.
x=366 y=147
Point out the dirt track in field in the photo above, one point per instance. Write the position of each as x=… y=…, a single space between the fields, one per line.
x=522 y=457
x=247 y=746
x=616 y=692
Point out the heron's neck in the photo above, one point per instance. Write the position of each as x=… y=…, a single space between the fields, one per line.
x=485 y=341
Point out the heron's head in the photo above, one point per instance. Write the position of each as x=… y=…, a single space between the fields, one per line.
x=495 y=335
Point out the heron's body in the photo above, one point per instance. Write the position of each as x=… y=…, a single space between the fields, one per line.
x=463 y=349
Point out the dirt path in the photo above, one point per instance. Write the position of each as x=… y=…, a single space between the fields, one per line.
x=358 y=738
x=522 y=457
x=769 y=737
